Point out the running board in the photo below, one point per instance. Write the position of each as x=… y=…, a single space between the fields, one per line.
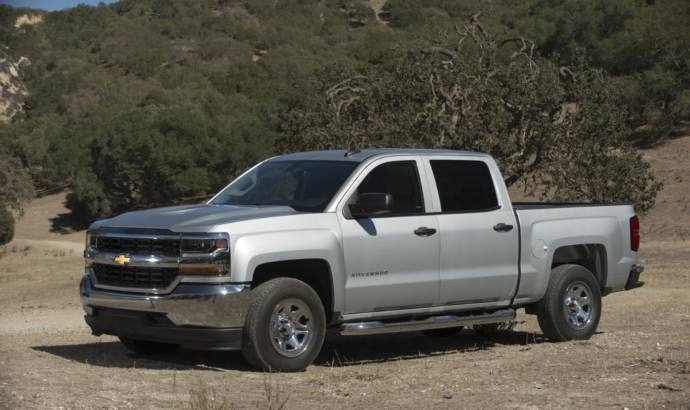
x=434 y=322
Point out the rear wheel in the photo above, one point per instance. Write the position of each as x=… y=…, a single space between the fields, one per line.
x=571 y=308
x=285 y=326
x=148 y=348
x=445 y=332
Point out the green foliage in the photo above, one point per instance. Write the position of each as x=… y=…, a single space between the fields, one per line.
x=6 y=225
x=147 y=102
x=166 y=150
x=559 y=133
x=87 y=200
x=643 y=43
x=592 y=159
x=15 y=183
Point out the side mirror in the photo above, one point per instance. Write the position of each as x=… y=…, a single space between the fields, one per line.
x=371 y=204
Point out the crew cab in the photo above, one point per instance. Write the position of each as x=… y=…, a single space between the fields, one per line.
x=362 y=242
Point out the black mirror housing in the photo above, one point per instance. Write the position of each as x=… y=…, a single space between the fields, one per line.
x=371 y=204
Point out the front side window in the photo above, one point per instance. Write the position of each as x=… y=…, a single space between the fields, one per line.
x=464 y=186
x=306 y=186
x=399 y=179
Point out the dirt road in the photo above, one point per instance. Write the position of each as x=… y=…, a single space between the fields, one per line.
x=640 y=357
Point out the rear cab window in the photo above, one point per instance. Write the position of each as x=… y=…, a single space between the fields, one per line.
x=464 y=185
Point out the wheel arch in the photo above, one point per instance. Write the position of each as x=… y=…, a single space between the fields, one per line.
x=315 y=272
x=288 y=253
x=592 y=256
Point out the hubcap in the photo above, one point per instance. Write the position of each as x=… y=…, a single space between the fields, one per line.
x=291 y=327
x=578 y=305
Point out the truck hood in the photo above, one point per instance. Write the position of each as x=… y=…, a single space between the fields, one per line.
x=191 y=218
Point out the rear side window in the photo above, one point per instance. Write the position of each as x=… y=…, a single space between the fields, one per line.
x=464 y=186
x=401 y=180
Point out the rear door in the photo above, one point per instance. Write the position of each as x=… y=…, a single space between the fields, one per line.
x=479 y=235
x=388 y=265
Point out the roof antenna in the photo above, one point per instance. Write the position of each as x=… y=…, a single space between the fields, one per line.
x=352 y=150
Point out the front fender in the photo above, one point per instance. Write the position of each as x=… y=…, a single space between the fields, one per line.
x=252 y=250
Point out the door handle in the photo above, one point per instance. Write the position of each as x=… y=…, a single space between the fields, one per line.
x=424 y=231
x=503 y=227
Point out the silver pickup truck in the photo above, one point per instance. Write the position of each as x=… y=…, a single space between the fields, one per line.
x=361 y=242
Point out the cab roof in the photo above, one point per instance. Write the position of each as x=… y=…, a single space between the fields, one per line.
x=360 y=156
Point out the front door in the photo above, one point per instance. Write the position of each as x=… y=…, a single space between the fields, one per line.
x=388 y=265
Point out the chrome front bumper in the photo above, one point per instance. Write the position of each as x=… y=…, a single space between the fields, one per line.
x=188 y=305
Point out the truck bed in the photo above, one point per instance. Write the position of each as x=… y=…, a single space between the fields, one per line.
x=549 y=205
x=550 y=232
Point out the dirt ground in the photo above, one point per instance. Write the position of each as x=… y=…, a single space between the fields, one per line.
x=639 y=359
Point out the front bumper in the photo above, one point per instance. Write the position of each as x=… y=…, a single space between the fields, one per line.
x=194 y=315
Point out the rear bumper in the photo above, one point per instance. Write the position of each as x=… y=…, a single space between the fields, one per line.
x=634 y=278
x=209 y=316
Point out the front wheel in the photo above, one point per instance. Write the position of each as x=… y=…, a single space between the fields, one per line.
x=571 y=307
x=285 y=326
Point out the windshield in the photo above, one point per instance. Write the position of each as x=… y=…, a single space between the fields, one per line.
x=306 y=186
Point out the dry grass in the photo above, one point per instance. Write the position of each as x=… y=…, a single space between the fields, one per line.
x=203 y=396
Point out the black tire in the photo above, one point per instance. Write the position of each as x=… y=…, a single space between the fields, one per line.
x=445 y=332
x=259 y=347
x=145 y=347
x=493 y=329
x=559 y=318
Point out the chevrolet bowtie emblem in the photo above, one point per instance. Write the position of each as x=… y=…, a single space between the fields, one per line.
x=122 y=259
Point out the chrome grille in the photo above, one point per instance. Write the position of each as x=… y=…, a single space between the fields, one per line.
x=150 y=261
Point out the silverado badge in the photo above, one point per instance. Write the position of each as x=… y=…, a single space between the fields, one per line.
x=122 y=259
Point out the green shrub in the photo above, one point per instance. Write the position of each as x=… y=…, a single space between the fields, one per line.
x=6 y=225
x=87 y=201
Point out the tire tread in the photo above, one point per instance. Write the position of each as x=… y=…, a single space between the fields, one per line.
x=251 y=350
x=548 y=309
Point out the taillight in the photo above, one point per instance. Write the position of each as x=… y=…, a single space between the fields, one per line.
x=635 y=233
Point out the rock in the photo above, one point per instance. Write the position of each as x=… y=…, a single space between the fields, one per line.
x=28 y=19
x=13 y=91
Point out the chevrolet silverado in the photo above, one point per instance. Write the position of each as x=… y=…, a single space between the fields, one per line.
x=361 y=242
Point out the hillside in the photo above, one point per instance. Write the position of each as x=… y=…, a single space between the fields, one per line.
x=118 y=101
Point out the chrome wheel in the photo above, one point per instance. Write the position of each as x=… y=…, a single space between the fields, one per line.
x=291 y=327
x=578 y=306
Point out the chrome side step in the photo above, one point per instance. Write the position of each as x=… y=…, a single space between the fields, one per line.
x=433 y=322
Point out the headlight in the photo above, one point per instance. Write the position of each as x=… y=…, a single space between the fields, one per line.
x=203 y=245
x=205 y=256
x=89 y=242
